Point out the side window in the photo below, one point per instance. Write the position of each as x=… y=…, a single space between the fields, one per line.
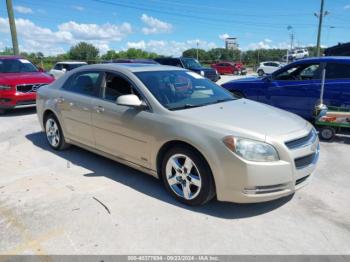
x=58 y=67
x=116 y=86
x=85 y=83
x=338 y=71
x=300 y=72
x=65 y=66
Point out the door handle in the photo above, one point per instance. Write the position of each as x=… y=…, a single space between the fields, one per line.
x=99 y=109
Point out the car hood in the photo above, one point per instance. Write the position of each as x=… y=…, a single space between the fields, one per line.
x=205 y=69
x=244 y=117
x=25 y=78
x=244 y=80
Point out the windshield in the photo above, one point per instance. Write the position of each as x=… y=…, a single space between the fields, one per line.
x=16 y=66
x=183 y=89
x=191 y=63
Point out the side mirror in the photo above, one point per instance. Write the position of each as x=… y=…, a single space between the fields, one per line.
x=130 y=100
x=64 y=70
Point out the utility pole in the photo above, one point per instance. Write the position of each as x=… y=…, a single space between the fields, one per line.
x=12 y=27
x=197 y=49
x=320 y=16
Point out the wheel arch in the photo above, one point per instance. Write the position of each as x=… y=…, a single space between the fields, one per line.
x=170 y=144
x=46 y=113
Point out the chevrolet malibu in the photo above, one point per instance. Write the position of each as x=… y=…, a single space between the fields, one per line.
x=176 y=125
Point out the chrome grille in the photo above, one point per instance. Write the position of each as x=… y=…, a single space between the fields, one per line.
x=303 y=141
x=28 y=88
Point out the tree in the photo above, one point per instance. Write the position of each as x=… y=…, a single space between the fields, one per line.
x=110 y=55
x=7 y=51
x=83 y=51
x=202 y=54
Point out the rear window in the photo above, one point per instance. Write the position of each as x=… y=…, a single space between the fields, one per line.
x=338 y=71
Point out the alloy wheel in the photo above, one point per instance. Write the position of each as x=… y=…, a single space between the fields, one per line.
x=183 y=176
x=52 y=132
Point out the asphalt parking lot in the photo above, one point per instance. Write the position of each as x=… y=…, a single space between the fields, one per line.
x=76 y=202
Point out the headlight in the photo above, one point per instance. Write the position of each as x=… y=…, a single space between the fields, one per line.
x=202 y=73
x=251 y=150
x=5 y=87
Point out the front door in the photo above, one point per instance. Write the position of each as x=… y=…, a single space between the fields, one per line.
x=121 y=130
x=296 y=89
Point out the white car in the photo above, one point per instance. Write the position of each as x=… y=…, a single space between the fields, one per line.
x=296 y=54
x=62 y=67
x=268 y=67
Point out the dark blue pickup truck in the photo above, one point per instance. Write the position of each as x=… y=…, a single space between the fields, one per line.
x=296 y=87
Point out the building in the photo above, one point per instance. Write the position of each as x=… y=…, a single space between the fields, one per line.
x=231 y=43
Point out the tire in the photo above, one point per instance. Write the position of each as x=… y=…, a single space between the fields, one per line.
x=190 y=185
x=54 y=133
x=261 y=72
x=327 y=133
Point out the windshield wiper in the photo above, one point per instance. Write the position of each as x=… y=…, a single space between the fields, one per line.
x=222 y=100
x=185 y=106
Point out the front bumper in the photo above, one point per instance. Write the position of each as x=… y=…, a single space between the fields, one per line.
x=241 y=181
x=17 y=100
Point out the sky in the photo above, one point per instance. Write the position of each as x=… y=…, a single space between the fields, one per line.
x=169 y=27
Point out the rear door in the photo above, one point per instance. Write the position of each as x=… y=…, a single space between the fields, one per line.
x=337 y=87
x=296 y=89
x=74 y=104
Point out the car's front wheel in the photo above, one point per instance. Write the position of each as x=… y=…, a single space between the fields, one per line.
x=187 y=176
x=261 y=72
x=54 y=133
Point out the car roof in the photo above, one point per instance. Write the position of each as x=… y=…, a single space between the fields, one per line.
x=71 y=62
x=323 y=59
x=132 y=67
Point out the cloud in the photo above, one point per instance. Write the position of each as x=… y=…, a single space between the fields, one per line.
x=93 y=31
x=224 y=36
x=78 y=8
x=154 y=25
x=347 y=7
x=35 y=38
x=170 y=48
x=267 y=44
x=23 y=9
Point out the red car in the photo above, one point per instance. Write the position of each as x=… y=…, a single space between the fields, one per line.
x=229 y=68
x=19 y=80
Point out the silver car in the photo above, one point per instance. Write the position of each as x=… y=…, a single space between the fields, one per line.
x=176 y=125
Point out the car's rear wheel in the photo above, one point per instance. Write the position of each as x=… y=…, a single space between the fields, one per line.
x=187 y=176
x=261 y=72
x=54 y=133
